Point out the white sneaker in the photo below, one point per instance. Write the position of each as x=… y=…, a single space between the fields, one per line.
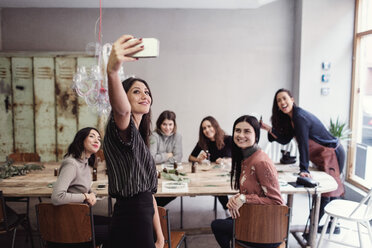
x=227 y=213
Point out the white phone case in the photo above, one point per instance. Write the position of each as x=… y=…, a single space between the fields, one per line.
x=151 y=49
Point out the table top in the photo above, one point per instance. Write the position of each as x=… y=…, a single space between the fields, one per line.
x=208 y=180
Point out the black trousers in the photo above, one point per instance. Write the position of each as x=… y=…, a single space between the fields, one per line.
x=223 y=200
x=132 y=222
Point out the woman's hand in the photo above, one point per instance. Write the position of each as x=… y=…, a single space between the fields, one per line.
x=305 y=174
x=219 y=160
x=202 y=155
x=123 y=47
x=169 y=155
x=234 y=204
x=90 y=198
x=265 y=126
x=159 y=242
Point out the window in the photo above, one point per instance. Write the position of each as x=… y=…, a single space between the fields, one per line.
x=360 y=152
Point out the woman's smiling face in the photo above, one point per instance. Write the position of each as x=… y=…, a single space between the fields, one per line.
x=244 y=135
x=285 y=102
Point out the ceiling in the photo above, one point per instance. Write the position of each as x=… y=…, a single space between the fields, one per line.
x=171 y=4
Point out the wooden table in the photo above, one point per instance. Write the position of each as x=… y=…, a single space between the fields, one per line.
x=206 y=181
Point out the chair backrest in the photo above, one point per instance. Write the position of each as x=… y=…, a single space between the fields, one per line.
x=273 y=150
x=262 y=224
x=69 y=223
x=367 y=200
x=165 y=226
x=24 y=157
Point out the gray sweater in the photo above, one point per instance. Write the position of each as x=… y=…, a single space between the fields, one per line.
x=74 y=179
x=160 y=145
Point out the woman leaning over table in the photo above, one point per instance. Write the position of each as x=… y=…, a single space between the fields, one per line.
x=315 y=143
x=253 y=173
x=212 y=140
x=130 y=167
x=166 y=145
x=75 y=178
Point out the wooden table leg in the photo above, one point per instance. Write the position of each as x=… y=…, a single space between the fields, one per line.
x=290 y=205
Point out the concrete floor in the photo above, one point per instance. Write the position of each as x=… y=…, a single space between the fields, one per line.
x=198 y=214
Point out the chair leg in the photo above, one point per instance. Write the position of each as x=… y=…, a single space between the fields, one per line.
x=215 y=207
x=14 y=235
x=334 y=221
x=360 y=234
x=184 y=240
x=323 y=231
x=181 y=212
x=369 y=230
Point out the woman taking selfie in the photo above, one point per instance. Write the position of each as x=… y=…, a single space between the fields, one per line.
x=315 y=143
x=75 y=177
x=253 y=174
x=212 y=144
x=130 y=167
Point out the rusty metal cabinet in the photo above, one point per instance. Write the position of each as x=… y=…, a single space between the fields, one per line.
x=39 y=111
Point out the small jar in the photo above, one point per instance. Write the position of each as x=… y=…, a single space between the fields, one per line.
x=94 y=174
x=193 y=167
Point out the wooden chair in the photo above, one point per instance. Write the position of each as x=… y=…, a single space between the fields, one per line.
x=172 y=238
x=10 y=221
x=261 y=224
x=350 y=211
x=69 y=223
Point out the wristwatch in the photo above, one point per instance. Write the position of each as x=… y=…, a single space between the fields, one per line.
x=243 y=198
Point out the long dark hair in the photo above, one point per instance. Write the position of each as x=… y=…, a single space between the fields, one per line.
x=145 y=125
x=166 y=115
x=236 y=152
x=219 y=135
x=281 y=122
x=76 y=148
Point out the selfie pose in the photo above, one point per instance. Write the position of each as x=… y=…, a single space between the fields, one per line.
x=130 y=167
x=214 y=145
x=253 y=174
x=75 y=177
x=315 y=143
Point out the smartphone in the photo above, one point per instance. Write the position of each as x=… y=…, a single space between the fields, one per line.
x=151 y=49
x=101 y=186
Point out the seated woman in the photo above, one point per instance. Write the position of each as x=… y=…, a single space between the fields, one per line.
x=166 y=145
x=75 y=177
x=254 y=174
x=213 y=143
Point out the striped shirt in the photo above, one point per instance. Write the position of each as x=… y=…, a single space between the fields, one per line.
x=130 y=166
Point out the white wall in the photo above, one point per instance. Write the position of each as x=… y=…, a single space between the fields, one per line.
x=326 y=35
x=223 y=63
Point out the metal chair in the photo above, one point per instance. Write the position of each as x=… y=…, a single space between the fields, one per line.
x=358 y=212
x=69 y=224
x=171 y=238
x=263 y=224
x=10 y=221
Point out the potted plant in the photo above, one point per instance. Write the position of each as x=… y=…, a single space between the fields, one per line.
x=339 y=130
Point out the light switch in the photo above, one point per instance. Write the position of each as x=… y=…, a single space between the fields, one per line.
x=324 y=91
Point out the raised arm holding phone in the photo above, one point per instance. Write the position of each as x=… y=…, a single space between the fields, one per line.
x=130 y=166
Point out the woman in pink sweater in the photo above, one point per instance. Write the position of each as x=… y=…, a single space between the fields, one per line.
x=253 y=173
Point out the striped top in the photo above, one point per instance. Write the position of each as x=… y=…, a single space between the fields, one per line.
x=130 y=166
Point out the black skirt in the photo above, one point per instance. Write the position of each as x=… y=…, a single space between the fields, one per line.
x=132 y=222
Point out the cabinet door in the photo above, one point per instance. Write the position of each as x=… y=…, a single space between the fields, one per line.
x=66 y=102
x=45 y=118
x=23 y=105
x=6 y=112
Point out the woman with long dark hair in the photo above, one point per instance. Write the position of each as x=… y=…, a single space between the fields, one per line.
x=315 y=143
x=212 y=143
x=253 y=174
x=130 y=167
x=75 y=177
